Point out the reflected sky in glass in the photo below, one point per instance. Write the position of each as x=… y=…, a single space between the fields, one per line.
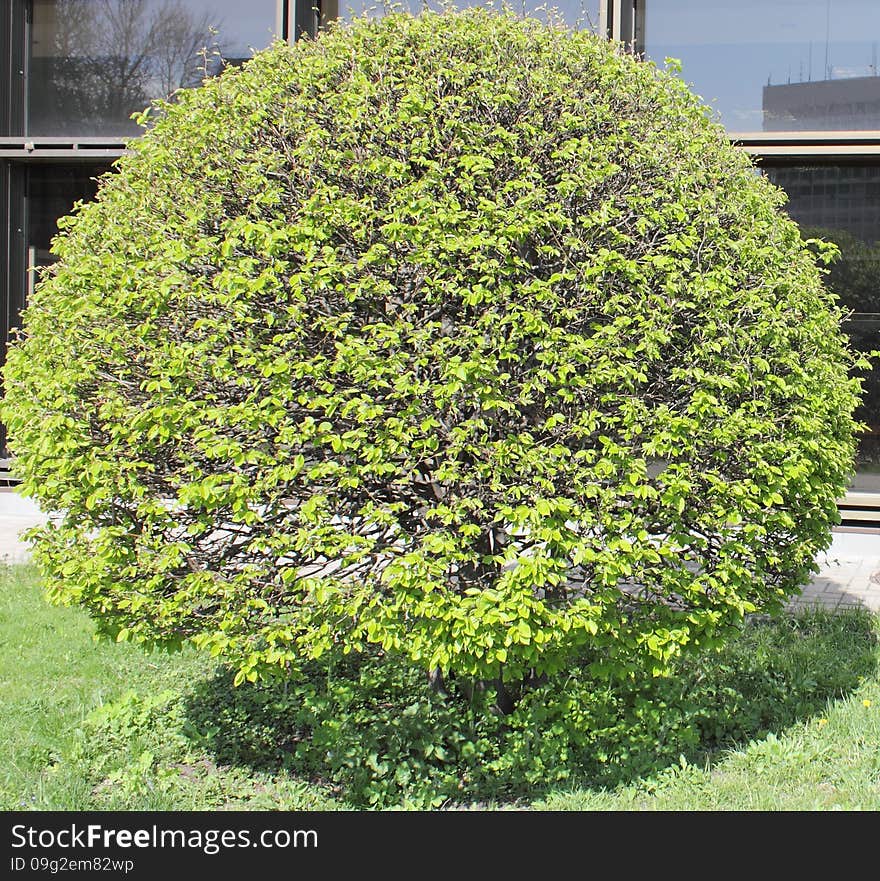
x=243 y=24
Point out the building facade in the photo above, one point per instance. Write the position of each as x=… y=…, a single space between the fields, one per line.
x=795 y=82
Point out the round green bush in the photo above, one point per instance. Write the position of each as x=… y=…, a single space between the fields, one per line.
x=461 y=335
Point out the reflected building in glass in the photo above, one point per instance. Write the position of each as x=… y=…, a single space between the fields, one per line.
x=828 y=105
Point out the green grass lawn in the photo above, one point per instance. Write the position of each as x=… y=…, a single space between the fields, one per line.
x=789 y=718
x=57 y=684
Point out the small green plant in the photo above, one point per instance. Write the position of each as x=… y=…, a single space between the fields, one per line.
x=459 y=338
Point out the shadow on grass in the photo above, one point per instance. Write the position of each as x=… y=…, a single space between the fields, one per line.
x=374 y=730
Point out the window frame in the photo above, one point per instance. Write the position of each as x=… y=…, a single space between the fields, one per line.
x=15 y=23
x=18 y=150
x=787 y=150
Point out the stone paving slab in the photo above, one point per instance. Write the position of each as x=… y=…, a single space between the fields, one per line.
x=849 y=575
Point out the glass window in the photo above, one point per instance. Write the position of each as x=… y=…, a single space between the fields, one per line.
x=51 y=192
x=35 y=196
x=784 y=65
x=95 y=62
x=853 y=223
x=575 y=13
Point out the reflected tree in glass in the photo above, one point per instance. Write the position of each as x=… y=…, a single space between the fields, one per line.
x=855 y=278
x=107 y=59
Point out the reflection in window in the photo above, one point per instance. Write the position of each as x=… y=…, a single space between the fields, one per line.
x=582 y=14
x=40 y=194
x=798 y=65
x=840 y=204
x=95 y=62
x=51 y=192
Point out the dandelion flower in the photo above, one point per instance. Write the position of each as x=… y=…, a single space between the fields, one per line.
x=866 y=703
x=823 y=722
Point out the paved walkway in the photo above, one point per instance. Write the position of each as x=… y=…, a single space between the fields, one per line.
x=849 y=573
x=16 y=514
x=849 y=576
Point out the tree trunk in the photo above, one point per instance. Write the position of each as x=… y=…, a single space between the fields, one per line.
x=437 y=683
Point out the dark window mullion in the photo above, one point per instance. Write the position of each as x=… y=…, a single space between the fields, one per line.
x=14 y=36
x=12 y=193
x=25 y=28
